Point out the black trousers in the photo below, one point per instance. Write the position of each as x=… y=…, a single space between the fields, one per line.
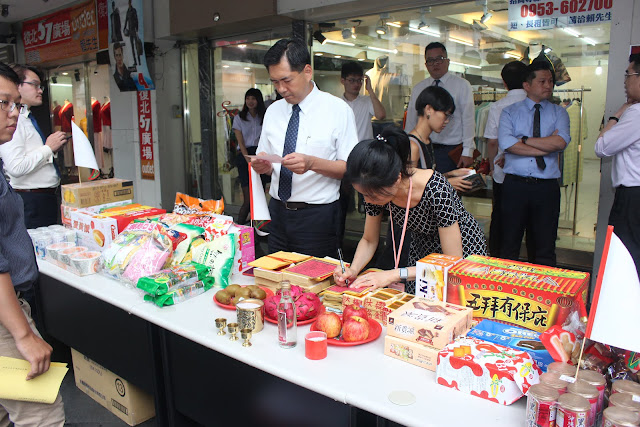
x=40 y=209
x=625 y=218
x=444 y=163
x=495 y=229
x=533 y=205
x=312 y=231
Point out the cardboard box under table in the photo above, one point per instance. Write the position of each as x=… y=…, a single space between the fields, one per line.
x=429 y=322
x=532 y=296
x=118 y=395
x=97 y=192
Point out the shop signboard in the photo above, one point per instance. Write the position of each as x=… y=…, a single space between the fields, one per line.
x=145 y=133
x=102 y=9
x=545 y=14
x=67 y=33
x=126 y=46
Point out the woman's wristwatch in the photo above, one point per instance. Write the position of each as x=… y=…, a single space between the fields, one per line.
x=404 y=274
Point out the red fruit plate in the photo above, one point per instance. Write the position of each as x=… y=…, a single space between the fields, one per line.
x=300 y=322
x=268 y=291
x=375 y=329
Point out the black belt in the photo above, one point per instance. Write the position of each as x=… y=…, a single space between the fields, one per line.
x=294 y=206
x=52 y=190
x=530 y=179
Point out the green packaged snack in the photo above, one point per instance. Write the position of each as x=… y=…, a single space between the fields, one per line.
x=218 y=255
x=177 y=277
x=179 y=295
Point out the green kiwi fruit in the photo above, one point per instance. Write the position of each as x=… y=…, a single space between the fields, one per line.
x=232 y=289
x=223 y=297
x=242 y=293
x=258 y=293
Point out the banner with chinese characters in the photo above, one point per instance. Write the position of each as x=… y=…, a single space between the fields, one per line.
x=64 y=34
x=545 y=14
x=126 y=46
x=145 y=134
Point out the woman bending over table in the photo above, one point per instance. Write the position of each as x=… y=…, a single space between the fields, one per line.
x=380 y=170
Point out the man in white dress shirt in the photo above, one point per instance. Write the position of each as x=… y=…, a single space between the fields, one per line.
x=29 y=157
x=364 y=107
x=461 y=127
x=620 y=138
x=512 y=77
x=314 y=132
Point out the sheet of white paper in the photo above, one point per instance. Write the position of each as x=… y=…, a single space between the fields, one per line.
x=273 y=158
x=259 y=209
x=82 y=150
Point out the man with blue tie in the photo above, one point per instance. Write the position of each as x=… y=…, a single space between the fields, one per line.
x=532 y=134
x=29 y=157
x=314 y=132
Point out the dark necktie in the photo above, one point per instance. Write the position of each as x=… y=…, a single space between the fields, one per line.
x=536 y=134
x=436 y=82
x=290 y=139
x=44 y=140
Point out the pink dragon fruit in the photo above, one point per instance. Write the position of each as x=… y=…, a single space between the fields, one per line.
x=295 y=292
x=308 y=306
x=271 y=306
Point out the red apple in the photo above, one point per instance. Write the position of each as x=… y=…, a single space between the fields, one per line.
x=354 y=310
x=329 y=323
x=355 y=329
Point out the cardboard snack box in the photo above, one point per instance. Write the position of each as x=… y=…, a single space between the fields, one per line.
x=528 y=295
x=272 y=275
x=486 y=370
x=427 y=322
x=411 y=352
x=513 y=337
x=432 y=273
x=97 y=192
x=118 y=395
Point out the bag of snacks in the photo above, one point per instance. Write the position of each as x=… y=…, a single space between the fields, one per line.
x=173 y=278
x=179 y=295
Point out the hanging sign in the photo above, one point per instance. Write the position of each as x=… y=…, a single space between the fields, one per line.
x=546 y=14
x=145 y=134
x=64 y=34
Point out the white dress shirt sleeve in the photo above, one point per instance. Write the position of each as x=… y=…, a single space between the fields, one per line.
x=622 y=135
x=468 y=120
x=412 y=114
x=491 y=128
x=347 y=134
x=17 y=161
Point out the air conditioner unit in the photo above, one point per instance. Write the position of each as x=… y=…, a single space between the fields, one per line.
x=497 y=47
x=7 y=53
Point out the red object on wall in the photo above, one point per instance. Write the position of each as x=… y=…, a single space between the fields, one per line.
x=145 y=127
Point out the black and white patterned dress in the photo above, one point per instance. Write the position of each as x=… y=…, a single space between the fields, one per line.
x=440 y=206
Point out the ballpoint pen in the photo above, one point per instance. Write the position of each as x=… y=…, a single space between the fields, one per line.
x=346 y=282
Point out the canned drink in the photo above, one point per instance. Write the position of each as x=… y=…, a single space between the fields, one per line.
x=589 y=392
x=597 y=380
x=625 y=401
x=552 y=379
x=625 y=386
x=562 y=368
x=620 y=417
x=541 y=406
x=250 y=314
x=573 y=411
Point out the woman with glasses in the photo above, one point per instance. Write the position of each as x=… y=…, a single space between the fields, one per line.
x=418 y=200
x=247 y=126
x=620 y=138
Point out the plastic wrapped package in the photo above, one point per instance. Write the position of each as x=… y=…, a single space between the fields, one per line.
x=218 y=255
x=186 y=204
x=182 y=235
x=173 y=278
x=179 y=295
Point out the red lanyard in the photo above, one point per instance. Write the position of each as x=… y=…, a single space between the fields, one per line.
x=396 y=253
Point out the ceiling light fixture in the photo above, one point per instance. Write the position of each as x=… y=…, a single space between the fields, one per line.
x=347 y=33
x=423 y=20
x=225 y=66
x=599 y=69
x=382 y=28
x=428 y=32
x=512 y=55
x=247 y=68
x=395 y=24
x=465 y=65
x=337 y=56
x=319 y=54
x=486 y=15
x=339 y=42
x=319 y=37
x=590 y=41
x=460 y=41
x=379 y=49
x=572 y=32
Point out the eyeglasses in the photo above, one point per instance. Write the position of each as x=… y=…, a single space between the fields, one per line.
x=436 y=60
x=353 y=81
x=448 y=116
x=36 y=85
x=10 y=105
x=627 y=74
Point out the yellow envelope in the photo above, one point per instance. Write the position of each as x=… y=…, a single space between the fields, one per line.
x=43 y=388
